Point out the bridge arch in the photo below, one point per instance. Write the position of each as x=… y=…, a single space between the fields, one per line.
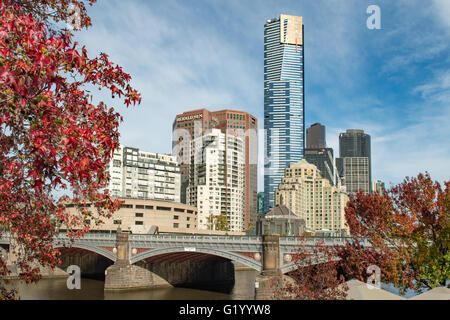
x=98 y=250
x=247 y=261
x=291 y=266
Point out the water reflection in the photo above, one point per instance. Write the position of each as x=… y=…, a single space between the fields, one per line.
x=56 y=289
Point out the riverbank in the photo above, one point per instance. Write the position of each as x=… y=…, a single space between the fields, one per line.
x=46 y=273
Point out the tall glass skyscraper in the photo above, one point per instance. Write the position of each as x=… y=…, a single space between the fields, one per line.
x=354 y=164
x=284 y=91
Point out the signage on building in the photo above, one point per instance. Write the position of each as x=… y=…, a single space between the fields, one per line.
x=197 y=116
x=190 y=249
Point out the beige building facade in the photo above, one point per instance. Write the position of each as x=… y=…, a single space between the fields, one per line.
x=311 y=197
x=140 y=216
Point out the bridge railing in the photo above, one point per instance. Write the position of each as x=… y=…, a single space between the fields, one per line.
x=4 y=238
x=202 y=238
x=89 y=236
x=328 y=241
x=189 y=238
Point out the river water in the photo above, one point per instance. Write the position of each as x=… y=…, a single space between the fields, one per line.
x=56 y=289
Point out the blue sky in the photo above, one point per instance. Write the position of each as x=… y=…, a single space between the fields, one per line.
x=394 y=83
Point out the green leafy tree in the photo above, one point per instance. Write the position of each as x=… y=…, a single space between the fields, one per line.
x=222 y=223
x=250 y=228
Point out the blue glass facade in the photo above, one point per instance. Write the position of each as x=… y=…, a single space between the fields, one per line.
x=284 y=110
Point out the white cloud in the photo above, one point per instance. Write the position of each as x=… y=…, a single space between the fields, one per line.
x=442 y=9
x=176 y=65
x=438 y=89
x=185 y=57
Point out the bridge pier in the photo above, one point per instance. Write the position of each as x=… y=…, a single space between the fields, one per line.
x=244 y=282
x=123 y=275
x=271 y=277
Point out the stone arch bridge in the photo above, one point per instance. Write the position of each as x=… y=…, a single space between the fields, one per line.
x=141 y=260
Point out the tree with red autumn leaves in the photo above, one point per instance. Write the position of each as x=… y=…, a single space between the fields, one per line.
x=51 y=136
x=315 y=277
x=408 y=228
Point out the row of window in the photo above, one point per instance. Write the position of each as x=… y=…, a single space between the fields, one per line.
x=159 y=208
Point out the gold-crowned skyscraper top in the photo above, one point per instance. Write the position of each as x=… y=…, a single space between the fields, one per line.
x=292 y=33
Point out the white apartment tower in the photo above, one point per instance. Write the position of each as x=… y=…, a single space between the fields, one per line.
x=144 y=175
x=217 y=178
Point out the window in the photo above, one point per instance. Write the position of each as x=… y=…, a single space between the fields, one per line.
x=164 y=208
x=178 y=210
x=127 y=206
x=175 y=217
x=139 y=214
x=117 y=221
x=175 y=225
x=140 y=206
x=139 y=223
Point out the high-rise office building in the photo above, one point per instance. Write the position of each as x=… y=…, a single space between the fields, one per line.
x=143 y=175
x=216 y=182
x=194 y=124
x=378 y=185
x=284 y=91
x=354 y=143
x=311 y=197
x=260 y=203
x=323 y=159
x=355 y=173
x=315 y=136
x=354 y=164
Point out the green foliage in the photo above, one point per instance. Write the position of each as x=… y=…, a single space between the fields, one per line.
x=222 y=223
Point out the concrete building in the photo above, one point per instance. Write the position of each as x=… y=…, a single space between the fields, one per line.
x=194 y=124
x=144 y=175
x=217 y=178
x=284 y=92
x=311 y=197
x=142 y=216
x=323 y=159
x=280 y=220
x=315 y=136
x=354 y=162
x=378 y=185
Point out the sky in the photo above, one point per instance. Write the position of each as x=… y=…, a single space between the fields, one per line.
x=394 y=83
